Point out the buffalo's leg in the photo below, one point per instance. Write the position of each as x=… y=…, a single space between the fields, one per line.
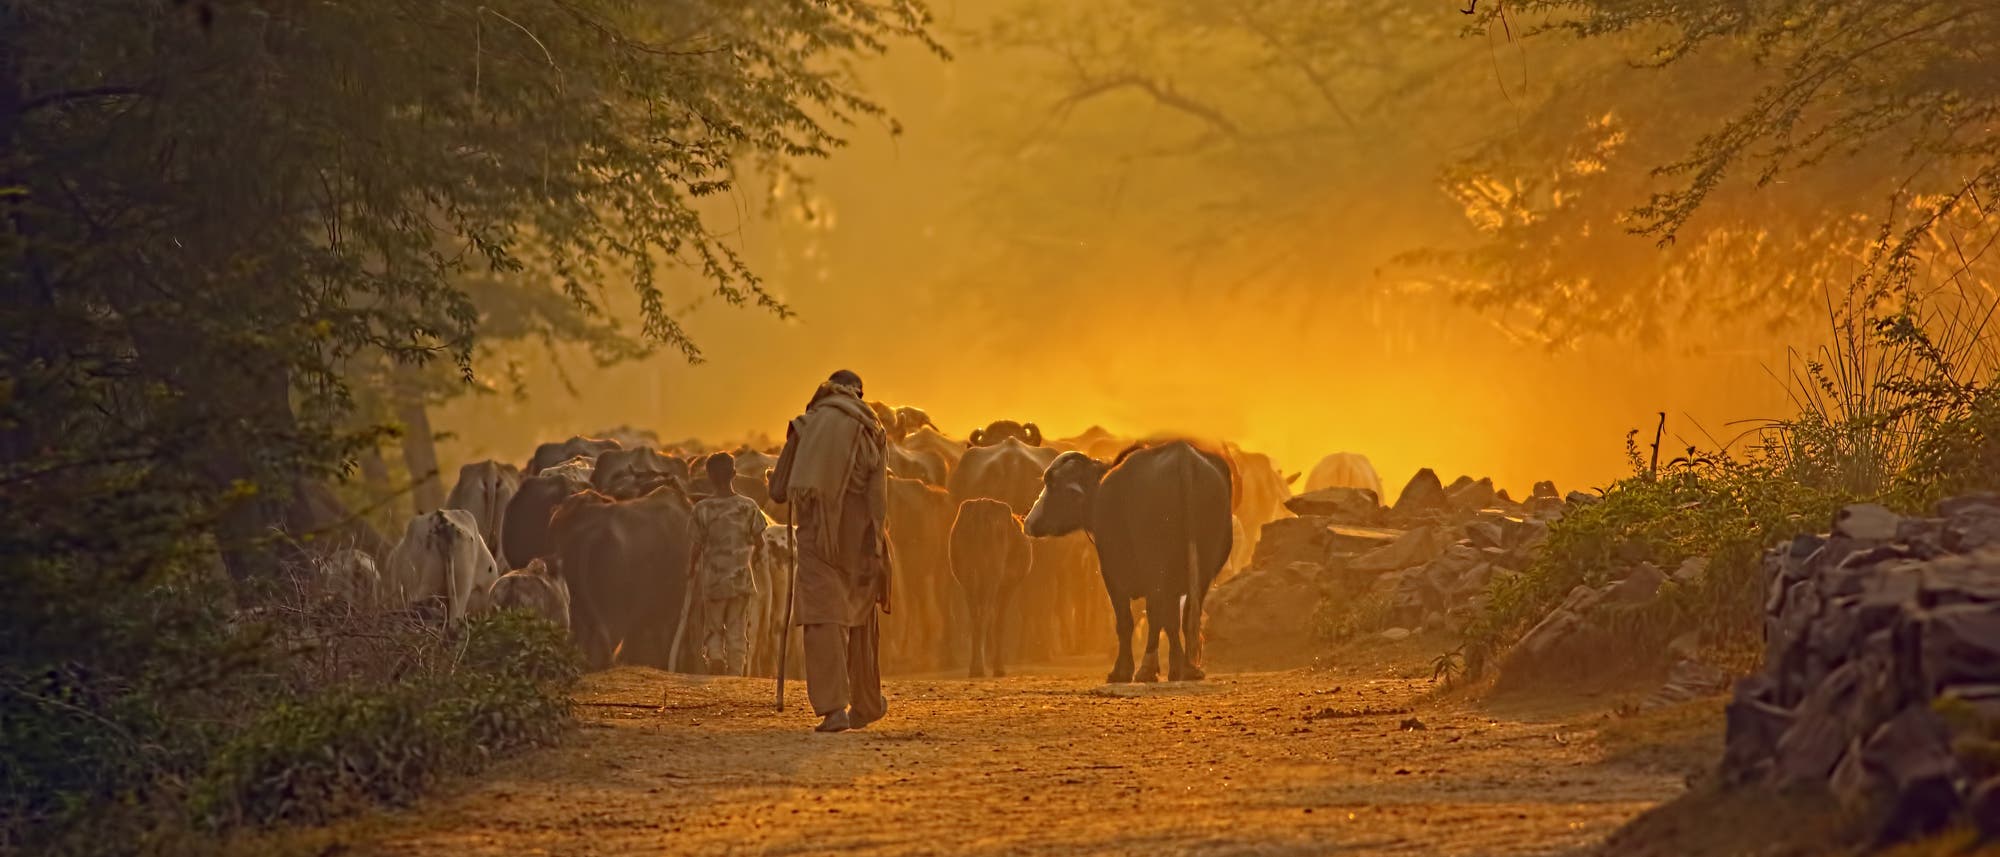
x=976 y=621
x=1189 y=627
x=997 y=647
x=1157 y=605
x=1121 y=670
x=1170 y=623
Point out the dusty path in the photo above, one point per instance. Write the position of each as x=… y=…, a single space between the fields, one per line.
x=1055 y=763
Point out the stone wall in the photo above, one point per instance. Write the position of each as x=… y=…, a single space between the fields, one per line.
x=1882 y=668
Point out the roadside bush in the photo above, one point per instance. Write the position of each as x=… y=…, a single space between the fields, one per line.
x=1720 y=508
x=313 y=711
x=1894 y=409
x=331 y=753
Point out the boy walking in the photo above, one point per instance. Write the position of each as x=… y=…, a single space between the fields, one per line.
x=726 y=529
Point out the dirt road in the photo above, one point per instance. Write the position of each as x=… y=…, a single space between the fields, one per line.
x=1332 y=761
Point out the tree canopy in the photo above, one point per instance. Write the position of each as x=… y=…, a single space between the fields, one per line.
x=215 y=210
x=1571 y=168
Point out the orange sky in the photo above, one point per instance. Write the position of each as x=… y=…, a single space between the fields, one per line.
x=1344 y=360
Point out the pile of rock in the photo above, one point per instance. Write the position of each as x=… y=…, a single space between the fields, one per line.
x=1882 y=655
x=1430 y=557
x=1578 y=637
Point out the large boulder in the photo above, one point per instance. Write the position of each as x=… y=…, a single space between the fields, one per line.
x=1266 y=607
x=1357 y=506
x=1640 y=586
x=1342 y=539
x=1867 y=521
x=1473 y=496
x=1961 y=646
x=1543 y=502
x=1288 y=540
x=1413 y=548
x=1821 y=728
x=1753 y=723
x=1424 y=495
x=1910 y=757
x=1564 y=643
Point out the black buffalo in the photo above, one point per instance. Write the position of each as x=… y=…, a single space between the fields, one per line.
x=1160 y=518
x=524 y=531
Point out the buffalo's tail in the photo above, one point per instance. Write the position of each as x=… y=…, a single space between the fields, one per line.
x=1191 y=619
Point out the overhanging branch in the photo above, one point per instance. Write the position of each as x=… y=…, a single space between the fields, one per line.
x=1163 y=94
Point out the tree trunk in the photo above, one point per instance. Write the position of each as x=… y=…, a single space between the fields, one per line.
x=420 y=454
x=375 y=475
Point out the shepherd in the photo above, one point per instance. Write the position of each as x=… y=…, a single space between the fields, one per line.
x=833 y=478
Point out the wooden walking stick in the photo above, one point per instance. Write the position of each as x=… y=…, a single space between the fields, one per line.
x=791 y=601
x=680 y=630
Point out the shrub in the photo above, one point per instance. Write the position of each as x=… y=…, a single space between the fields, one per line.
x=324 y=710
x=1720 y=508
x=1890 y=410
x=351 y=747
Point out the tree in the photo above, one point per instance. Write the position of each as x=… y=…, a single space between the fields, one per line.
x=1297 y=149
x=1254 y=137
x=213 y=209
x=1886 y=103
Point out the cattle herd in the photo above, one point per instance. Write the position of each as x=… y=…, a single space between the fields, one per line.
x=1005 y=546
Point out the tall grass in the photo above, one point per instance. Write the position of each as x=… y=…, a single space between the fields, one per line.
x=1873 y=400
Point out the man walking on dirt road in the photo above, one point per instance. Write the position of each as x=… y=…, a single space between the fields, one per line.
x=832 y=476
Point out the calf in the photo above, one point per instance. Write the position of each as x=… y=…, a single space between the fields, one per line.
x=536 y=589
x=990 y=557
x=920 y=519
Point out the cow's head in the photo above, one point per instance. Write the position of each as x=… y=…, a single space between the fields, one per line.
x=1001 y=430
x=1069 y=491
x=908 y=420
x=883 y=414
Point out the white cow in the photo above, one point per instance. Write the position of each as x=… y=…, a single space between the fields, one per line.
x=771 y=567
x=484 y=489
x=442 y=557
x=1344 y=470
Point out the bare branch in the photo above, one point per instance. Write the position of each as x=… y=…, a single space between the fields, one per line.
x=1162 y=93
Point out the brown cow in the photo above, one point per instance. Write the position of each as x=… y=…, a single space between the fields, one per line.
x=626 y=563
x=1011 y=471
x=1259 y=497
x=990 y=559
x=925 y=465
x=902 y=421
x=928 y=442
x=920 y=519
x=1097 y=442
